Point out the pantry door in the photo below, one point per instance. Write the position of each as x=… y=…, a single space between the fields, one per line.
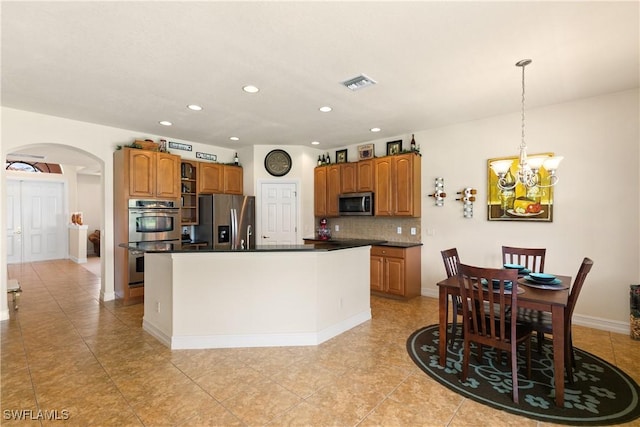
x=279 y=213
x=36 y=225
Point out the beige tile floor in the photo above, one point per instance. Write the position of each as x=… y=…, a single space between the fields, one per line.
x=64 y=350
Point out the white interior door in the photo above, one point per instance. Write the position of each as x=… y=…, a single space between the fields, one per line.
x=37 y=216
x=14 y=226
x=279 y=213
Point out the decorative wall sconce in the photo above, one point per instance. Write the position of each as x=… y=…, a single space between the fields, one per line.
x=439 y=193
x=467 y=197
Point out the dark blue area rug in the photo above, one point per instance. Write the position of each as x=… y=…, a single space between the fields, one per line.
x=600 y=395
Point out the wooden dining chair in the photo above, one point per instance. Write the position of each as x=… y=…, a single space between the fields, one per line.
x=486 y=320
x=451 y=260
x=540 y=321
x=531 y=258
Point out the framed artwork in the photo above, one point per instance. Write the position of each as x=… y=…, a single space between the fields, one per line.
x=341 y=156
x=394 y=147
x=520 y=203
x=365 y=151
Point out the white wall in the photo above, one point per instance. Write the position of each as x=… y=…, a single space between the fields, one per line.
x=596 y=206
x=89 y=202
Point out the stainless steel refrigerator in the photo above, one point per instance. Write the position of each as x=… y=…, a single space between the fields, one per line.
x=227 y=221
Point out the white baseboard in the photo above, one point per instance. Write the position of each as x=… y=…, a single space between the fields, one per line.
x=578 y=319
x=602 y=324
x=156 y=333
x=257 y=340
x=78 y=260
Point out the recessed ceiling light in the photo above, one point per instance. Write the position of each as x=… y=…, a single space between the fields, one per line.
x=325 y=109
x=250 y=89
x=375 y=129
x=234 y=138
x=194 y=107
x=165 y=123
x=315 y=143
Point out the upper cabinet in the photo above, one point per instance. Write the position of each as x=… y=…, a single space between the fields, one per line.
x=397 y=189
x=348 y=178
x=210 y=178
x=357 y=177
x=232 y=177
x=149 y=173
x=395 y=181
x=326 y=190
x=216 y=178
x=366 y=176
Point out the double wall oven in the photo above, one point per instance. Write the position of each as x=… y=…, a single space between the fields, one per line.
x=153 y=224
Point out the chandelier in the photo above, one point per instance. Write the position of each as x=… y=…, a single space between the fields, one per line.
x=528 y=167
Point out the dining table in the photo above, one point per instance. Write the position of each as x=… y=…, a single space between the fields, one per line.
x=535 y=298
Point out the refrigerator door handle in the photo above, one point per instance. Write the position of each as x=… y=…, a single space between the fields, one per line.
x=234 y=229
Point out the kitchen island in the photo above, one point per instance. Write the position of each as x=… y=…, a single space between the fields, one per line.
x=288 y=295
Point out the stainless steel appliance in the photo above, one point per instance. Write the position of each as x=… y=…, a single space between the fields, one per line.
x=226 y=221
x=355 y=204
x=152 y=223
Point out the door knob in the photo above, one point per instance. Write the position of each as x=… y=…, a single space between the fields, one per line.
x=265 y=237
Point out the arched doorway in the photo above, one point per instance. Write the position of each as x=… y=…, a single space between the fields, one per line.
x=81 y=178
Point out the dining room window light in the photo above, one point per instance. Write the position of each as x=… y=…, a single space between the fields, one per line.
x=37 y=167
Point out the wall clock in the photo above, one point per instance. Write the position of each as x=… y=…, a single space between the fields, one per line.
x=277 y=162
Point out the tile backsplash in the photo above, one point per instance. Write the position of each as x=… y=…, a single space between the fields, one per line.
x=370 y=227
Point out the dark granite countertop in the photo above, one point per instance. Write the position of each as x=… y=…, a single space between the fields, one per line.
x=162 y=247
x=371 y=242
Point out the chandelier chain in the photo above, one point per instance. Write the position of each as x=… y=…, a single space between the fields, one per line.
x=522 y=143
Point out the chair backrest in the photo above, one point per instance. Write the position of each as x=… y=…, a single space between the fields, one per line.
x=585 y=268
x=451 y=261
x=489 y=320
x=531 y=258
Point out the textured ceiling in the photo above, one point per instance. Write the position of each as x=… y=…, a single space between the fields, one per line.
x=131 y=64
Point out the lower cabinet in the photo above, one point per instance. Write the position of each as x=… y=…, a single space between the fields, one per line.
x=395 y=271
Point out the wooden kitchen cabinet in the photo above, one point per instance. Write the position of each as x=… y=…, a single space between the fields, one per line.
x=216 y=178
x=138 y=174
x=348 y=178
x=357 y=177
x=210 y=178
x=326 y=183
x=397 y=185
x=366 y=176
x=395 y=271
x=149 y=174
x=233 y=179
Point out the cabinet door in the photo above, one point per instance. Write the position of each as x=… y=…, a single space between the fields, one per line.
x=365 y=176
x=167 y=175
x=348 y=178
x=333 y=189
x=142 y=173
x=383 y=203
x=394 y=276
x=210 y=178
x=377 y=273
x=233 y=180
x=320 y=191
x=404 y=185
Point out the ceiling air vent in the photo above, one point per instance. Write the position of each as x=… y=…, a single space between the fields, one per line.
x=359 y=82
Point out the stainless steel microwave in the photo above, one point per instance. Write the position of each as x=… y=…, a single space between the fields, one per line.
x=355 y=204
